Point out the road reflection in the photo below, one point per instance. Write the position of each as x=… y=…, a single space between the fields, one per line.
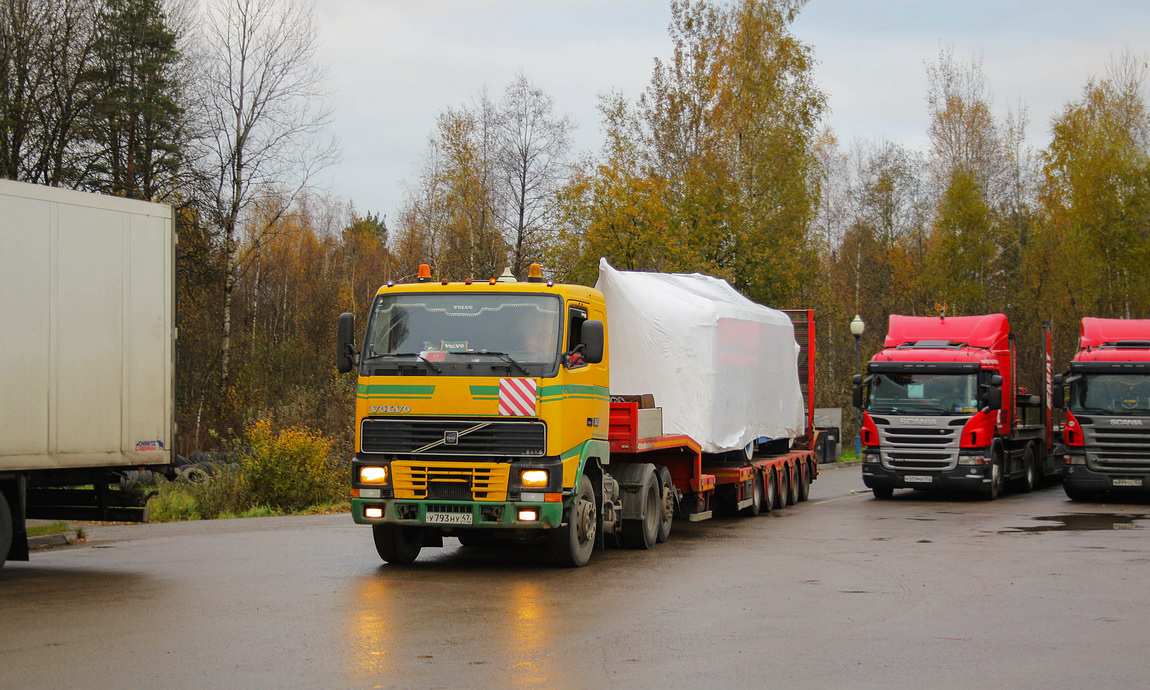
x=455 y=616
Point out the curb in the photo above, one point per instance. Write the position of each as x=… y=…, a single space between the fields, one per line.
x=61 y=539
x=833 y=465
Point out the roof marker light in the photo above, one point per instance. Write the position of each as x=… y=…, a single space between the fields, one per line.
x=424 y=273
x=535 y=274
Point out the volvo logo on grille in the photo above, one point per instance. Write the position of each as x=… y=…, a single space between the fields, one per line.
x=451 y=438
x=1126 y=422
x=390 y=409
x=916 y=421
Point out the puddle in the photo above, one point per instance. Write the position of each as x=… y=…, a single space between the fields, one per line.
x=1083 y=522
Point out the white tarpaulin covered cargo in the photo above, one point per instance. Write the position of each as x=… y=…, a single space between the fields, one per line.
x=723 y=368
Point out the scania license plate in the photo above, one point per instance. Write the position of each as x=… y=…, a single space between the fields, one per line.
x=918 y=479
x=1126 y=482
x=448 y=518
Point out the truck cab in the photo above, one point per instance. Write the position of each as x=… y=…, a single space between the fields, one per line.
x=1105 y=441
x=478 y=405
x=934 y=415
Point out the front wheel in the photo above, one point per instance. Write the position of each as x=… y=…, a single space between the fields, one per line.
x=883 y=493
x=991 y=490
x=571 y=543
x=397 y=543
x=1080 y=495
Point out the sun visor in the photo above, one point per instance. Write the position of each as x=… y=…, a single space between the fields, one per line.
x=723 y=368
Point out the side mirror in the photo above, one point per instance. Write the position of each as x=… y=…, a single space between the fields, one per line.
x=345 y=354
x=1058 y=399
x=857 y=393
x=593 y=341
x=996 y=380
x=994 y=396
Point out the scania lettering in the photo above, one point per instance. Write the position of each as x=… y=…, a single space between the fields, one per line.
x=485 y=410
x=943 y=409
x=1105 y=440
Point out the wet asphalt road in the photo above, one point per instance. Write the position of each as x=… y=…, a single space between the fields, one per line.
x=841 y=591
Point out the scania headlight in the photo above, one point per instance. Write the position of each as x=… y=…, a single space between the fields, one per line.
x=371 y=474
x=533 y=479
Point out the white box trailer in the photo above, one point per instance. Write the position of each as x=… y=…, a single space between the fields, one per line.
x=87 y=353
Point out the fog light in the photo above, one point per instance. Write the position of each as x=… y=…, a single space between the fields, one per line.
x=373 y=475
x=528 y=515
x=374 y=512
x=533 y=478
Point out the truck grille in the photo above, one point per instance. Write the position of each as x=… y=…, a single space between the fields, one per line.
x=450 y=481
x=913 y=447
x=485 y=437
x=1114 y=448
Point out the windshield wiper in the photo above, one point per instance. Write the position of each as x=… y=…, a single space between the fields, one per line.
x=425 y=360
x=505 y=357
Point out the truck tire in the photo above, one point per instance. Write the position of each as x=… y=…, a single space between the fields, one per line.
x=667 y=501
x=5 y=529
x=642 y=532
x=781 y=487
x=397 y=543
x=772 y=491
x=571 y=543
x=883 y=493
x=991 y=490
x=791 y=480
x=756 y=497
x=1029 y=470
x=804 y=483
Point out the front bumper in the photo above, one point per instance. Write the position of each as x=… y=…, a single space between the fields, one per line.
x=484 y=515
x=1077 y=475
x=961 y=478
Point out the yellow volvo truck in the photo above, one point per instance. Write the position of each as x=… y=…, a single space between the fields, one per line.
x=483 y=410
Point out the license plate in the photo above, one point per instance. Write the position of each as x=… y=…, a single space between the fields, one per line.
x=918 y=479
x=448 y=518
x=1126 y=482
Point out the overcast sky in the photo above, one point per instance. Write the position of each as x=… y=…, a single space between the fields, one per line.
x=395 y=65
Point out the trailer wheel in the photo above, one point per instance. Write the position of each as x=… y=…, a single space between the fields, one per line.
x=641 y=533
x=792 y=481
x=804 y=482
x=397 y=543
x=781 y=487
x=667 y=499
x=756 y=497
x=1030 y=470
x=5 y=529
x=571 y=544
x=772 y=492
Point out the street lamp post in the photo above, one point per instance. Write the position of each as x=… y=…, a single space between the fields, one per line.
x=857 y=327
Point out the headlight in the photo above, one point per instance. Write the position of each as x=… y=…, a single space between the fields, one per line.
x=533 y=478
x=373 y=475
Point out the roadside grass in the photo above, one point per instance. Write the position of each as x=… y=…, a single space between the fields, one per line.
x=44 y=530
x=280 y=472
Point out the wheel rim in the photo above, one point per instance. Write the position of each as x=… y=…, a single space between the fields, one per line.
x=585 y=520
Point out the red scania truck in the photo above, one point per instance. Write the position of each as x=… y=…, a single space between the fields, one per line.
x=943 y=409
x=1106 y=436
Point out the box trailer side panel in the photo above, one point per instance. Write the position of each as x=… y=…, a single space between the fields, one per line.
x=87 y=347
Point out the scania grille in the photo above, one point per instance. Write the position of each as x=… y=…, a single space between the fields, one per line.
x=919 y=447
x=1117 y=448
x=484 y=437
x=450 y=481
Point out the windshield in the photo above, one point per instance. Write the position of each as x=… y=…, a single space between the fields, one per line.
x=897 y=393
x=1110 y=394
x=461 y=334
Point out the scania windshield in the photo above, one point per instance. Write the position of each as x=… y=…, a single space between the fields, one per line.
x=461 y=334
x=905 y=393
x=1116 y=394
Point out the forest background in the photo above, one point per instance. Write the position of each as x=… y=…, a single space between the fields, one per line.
x=723 y=165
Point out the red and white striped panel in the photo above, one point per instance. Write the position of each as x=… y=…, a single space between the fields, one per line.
x=517 y=397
